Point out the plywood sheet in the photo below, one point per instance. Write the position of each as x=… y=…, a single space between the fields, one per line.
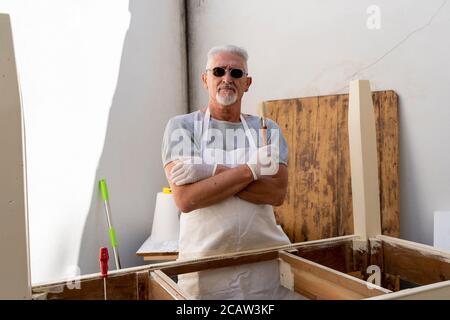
x=319 y=198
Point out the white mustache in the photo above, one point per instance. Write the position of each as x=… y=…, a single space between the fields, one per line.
x=226 y=87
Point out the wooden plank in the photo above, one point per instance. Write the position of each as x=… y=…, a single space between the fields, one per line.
x=157 y=290
x=143 y=285
x=363 y=161
x=413 y=262
x=335 y=255
x=319 y=282
x=344 y=207
x=15 y=269
x=327 y=151
x=435 y=291
x=194 y=266
x=307 y=213
x=386 y=114
x=318 y=160
x=157 y=257
x=286 y=112
x=163 y=288
x=121 y=287
x=131 y=286
x=306 y=188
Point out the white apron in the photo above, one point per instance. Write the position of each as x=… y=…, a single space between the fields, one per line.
x=230 y=226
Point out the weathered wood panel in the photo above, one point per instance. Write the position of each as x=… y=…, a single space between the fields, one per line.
x=319 y=199
x=282 y=110
x=120 y=287
x=337 y=256
x=415 y=266
x=385 y=104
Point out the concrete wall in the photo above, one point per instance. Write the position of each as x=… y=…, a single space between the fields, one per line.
x=99 y=81
x=307 y=48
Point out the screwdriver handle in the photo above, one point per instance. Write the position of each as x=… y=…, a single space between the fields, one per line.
x=104 y=257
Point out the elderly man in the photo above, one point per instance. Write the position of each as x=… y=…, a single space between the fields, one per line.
x=225 y=181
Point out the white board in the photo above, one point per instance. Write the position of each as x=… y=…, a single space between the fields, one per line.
x=14 y=268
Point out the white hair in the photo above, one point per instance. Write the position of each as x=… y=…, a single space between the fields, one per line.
x=239 y=51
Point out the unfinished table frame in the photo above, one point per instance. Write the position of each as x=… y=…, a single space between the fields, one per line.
x=335 y=268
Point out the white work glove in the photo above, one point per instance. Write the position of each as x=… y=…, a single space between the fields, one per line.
x=186 y=171
x=265 y=161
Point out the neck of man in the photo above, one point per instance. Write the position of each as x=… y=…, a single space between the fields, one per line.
x=231 y=113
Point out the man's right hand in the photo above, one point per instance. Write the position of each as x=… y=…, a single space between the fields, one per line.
x=186 y=171
x=265 y=161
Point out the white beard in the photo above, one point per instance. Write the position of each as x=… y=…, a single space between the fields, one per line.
x=227 y=100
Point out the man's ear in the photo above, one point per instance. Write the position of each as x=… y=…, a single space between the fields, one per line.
x=205 y=80
x=249 y=82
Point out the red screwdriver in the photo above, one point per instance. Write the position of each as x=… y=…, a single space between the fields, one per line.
x=104 y=257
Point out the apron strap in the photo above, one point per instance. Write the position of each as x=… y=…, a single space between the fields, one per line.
x=248 y=133
x=205 y=131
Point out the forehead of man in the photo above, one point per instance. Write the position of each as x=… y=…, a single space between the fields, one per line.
x=227 y=59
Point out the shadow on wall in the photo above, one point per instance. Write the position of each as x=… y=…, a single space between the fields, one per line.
x=131 y=160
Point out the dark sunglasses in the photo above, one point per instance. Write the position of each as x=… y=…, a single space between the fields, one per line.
x=220 y=72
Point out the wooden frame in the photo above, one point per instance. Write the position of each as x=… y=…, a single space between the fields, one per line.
x=335 y=268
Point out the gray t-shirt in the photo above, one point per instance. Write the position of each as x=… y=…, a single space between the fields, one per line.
x=183 y=133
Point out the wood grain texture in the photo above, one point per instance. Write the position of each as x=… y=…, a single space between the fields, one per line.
x=121 y=287
x=143 y=285
x=336 y=255
x=386 y=115
x=318 y=203
x=415 y=266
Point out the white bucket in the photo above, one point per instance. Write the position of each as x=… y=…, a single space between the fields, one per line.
x=166 y=218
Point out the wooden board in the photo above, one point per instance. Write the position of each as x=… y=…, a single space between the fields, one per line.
x=363 y=161
x=415 y=263
x=318 y=204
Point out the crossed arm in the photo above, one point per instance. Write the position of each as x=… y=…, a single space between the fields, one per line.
x=229 y=182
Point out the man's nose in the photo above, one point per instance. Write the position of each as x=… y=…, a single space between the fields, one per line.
x=227 y=77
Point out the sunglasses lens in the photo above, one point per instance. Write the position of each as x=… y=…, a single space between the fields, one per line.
x=218 y=72
x=236 y=73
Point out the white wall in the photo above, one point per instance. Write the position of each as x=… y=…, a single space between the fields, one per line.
x=99 y=81
x=307 y=48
